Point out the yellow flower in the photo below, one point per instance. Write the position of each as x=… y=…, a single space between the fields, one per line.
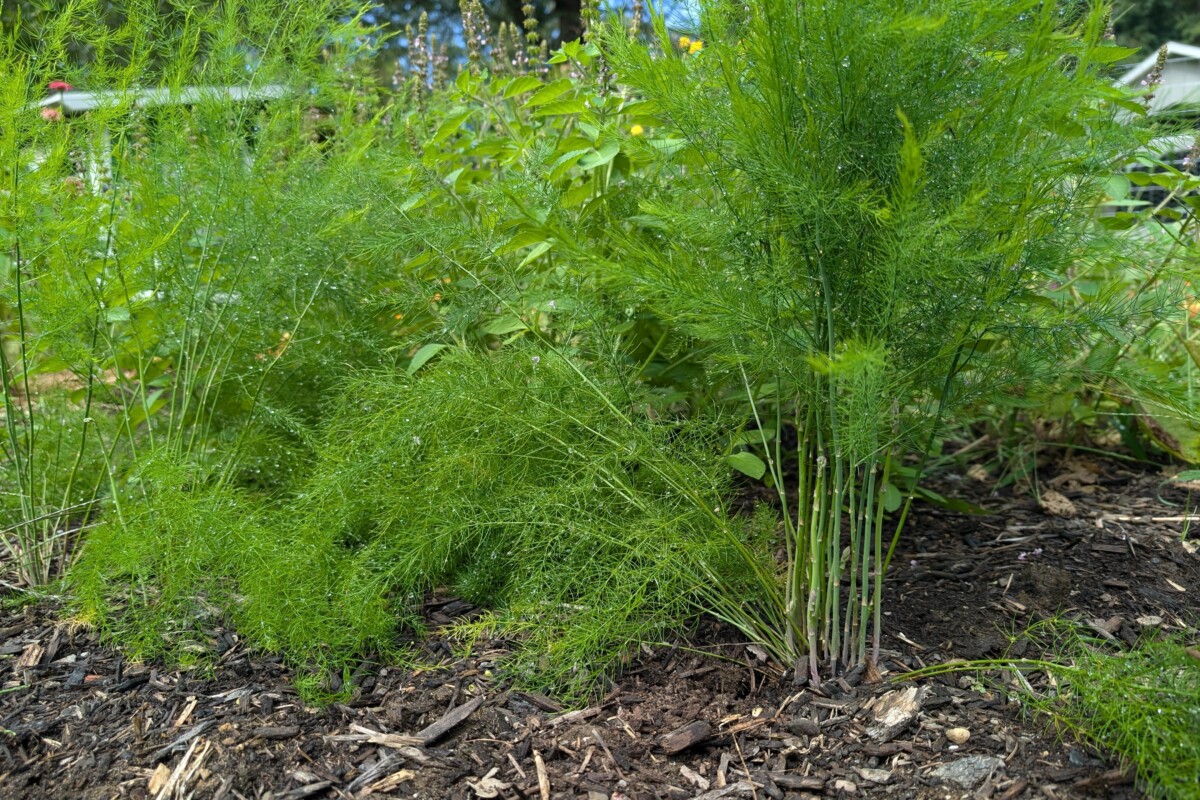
x=696 y=46
x=684 y=42
x=637 y=130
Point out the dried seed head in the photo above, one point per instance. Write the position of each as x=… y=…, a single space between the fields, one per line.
x=474 y=33
x=440 y=60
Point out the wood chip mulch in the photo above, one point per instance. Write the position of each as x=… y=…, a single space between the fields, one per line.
x=76 y=721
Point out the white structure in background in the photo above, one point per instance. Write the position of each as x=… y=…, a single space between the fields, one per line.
x=64 y=101
x=1180 y=84
x=1178 y=94
x=71 y=102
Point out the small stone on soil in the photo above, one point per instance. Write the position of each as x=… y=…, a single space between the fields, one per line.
x=968 y=772
x=880 y=776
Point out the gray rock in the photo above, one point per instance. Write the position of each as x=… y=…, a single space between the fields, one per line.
x=968 y=772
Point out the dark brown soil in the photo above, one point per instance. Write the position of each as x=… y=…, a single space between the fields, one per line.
x=78 y=722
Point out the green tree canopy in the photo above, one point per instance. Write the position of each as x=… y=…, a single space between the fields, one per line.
x=1148 y=23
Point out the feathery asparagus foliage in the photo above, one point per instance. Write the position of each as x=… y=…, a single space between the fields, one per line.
x=844 y=215
x=1142 y=704
x=157 y=265
x=869 y=197
x=502 y=477
x=599 y=532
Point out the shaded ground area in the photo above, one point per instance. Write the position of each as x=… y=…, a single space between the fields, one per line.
x=1103 y=545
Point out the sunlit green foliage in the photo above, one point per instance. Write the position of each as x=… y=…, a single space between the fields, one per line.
x=508 y=329
x=873 y=198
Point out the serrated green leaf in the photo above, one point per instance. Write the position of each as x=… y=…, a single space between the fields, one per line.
x=550 y=92
x=412 y=201
x=599 y=158
x=521 y=84
x=503 y=325
x=574 y=142
x=752 y=437
x=537 y=251
x=576 y=195
x=521 y=239
x=891 y=497
x=143 y=411
x=1110 y=54
x=565 y=162
x=450 y=127
x=560 y=107
x=640 y=108
x=1117 y=187
x=667 y=146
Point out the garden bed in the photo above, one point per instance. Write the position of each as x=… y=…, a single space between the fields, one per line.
x=679 y=723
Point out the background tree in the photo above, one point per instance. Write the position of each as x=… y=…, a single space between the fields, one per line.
x=1146 y=24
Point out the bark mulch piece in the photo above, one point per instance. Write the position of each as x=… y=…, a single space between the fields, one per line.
x=81 y=723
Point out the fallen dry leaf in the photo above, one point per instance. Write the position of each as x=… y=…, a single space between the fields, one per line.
x=389 y=783
x=880 y=776
x=488 y=785
x=894 y=711
x=1056 y=505
x=694 y=778
x=30 y=656
x=978 y=472
x=162 y=774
